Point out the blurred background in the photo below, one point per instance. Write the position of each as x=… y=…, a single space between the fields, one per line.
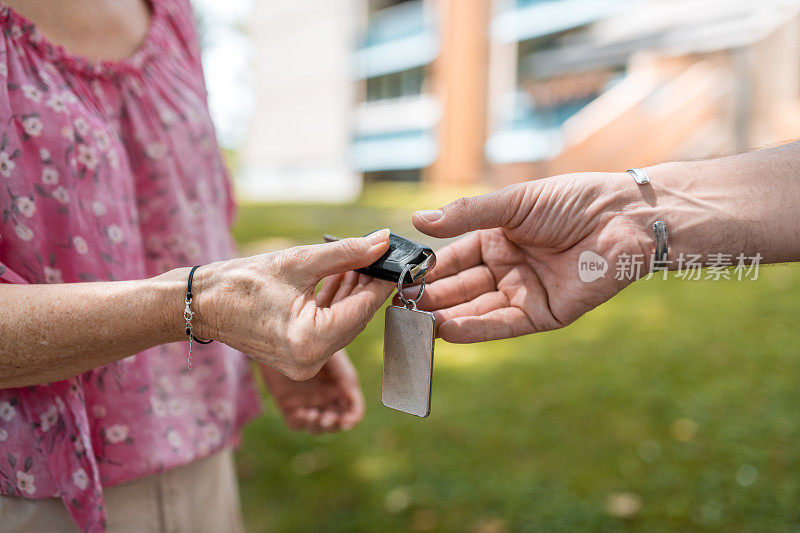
x=672 y=407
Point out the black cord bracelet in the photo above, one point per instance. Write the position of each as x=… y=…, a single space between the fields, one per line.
x=188 y=302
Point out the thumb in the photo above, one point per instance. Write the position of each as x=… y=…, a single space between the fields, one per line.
x=336 y=257
x=487 y=211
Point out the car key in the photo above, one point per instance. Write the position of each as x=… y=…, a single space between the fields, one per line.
x=401 y=252
x=409 y=334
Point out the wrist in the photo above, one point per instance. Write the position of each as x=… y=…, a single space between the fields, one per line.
x=170 y=292
x=171 y=288
x=699 y=210
x=205 y=281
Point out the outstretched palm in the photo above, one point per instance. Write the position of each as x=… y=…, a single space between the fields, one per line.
x=518 y=273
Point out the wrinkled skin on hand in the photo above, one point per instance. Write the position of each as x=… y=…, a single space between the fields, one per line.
x=332 y=400
x=267 y=307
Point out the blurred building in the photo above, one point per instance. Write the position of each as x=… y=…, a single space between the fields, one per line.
x=470 y=91
x=614 y=84
x=300 y=135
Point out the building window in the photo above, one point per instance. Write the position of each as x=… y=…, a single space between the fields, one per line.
x=530 y=47
x=393 y=175
x=377 y=5
x=394 y=20
x=546 y=102
x=526 y=3
x=397 y=84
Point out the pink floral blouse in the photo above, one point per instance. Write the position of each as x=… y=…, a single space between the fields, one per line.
x=111 y=171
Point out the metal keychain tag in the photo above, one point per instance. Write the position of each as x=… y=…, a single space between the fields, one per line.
x=408 y=355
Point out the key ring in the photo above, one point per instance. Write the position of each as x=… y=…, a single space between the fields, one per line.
x=410 y=304
x=421 y=270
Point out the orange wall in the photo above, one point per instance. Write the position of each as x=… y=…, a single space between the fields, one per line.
x=459 y=79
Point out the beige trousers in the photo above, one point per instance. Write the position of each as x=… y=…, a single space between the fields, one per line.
x=200 y=497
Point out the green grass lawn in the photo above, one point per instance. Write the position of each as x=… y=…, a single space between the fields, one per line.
x=673 y=407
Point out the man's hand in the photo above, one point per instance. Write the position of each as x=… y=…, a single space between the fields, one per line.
x=518 y=273
x=330 y=401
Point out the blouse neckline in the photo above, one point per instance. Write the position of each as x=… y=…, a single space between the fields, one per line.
x=23 y=30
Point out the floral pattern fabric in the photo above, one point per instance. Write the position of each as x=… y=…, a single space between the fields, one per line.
x=111 y=171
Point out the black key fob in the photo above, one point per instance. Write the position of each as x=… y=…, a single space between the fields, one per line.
x=402 y=252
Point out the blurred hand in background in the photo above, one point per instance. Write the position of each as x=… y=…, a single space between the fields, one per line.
x=330 y=401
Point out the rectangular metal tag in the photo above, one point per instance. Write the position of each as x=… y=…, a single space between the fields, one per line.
x=408 y=360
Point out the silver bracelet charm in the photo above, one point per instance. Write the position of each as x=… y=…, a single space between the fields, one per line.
x=188 y=314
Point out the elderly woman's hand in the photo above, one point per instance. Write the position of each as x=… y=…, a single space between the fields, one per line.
x=266 y=306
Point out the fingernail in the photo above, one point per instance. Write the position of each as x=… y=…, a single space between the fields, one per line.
x=430 y=215
x=379 y=236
